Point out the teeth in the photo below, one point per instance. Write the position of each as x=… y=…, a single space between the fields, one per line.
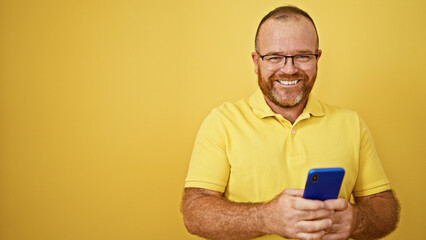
x=288 y=82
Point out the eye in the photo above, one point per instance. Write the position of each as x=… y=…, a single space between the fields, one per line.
x=274 y=58
x=302 y=58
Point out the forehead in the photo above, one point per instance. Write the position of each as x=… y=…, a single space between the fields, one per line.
x=288 y=35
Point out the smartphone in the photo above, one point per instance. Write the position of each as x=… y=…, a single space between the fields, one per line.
x=323 y=183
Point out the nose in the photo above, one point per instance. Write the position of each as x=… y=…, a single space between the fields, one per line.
x=288 y=66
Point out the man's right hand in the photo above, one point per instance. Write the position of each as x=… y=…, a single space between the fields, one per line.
x=291 y=216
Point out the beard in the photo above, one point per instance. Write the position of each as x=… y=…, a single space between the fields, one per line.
x=286 y=97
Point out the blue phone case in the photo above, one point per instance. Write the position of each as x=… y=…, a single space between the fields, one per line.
x=323 y=183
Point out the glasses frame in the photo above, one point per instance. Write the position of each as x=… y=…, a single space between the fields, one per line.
x=285 y=56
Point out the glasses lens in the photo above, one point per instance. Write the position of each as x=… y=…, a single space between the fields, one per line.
x=299 y=61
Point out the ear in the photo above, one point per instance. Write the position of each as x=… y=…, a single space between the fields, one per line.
x=255 y=58
x=319 y=53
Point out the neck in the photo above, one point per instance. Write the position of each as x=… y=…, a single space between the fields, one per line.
x=291 y=113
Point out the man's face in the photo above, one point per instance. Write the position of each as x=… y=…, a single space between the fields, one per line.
x=286 y=85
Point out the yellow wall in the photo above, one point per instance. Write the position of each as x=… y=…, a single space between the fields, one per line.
x=100 y=102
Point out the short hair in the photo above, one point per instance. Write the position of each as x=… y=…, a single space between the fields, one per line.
x=285 y=12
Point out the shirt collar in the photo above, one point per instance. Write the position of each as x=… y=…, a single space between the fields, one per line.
x=262 y=110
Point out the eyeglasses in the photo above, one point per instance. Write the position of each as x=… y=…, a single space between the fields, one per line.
x=275 y=61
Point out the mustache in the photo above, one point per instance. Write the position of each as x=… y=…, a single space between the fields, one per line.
x=287 y=77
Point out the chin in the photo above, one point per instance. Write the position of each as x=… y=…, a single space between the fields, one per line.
x=288 y=103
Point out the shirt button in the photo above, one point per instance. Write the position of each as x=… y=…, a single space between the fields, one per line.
x=293 y=132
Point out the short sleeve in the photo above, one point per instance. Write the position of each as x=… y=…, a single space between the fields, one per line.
x=209 y=167
x=371 y=176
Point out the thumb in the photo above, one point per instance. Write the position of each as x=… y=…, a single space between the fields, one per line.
x=294 y=192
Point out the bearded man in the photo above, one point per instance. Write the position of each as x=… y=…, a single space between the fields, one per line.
x=251 y=158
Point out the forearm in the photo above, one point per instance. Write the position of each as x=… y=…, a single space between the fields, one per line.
x=214 y=217
x=375 y=217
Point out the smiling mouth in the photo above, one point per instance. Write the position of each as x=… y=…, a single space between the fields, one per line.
x=288 y=83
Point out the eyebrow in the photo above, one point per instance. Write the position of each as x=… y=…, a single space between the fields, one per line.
x=297 y=52
x=305 y=51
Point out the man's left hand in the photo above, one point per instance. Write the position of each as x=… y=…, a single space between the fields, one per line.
x=342 y=219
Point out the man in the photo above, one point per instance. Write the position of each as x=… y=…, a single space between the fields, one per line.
x=251 y=158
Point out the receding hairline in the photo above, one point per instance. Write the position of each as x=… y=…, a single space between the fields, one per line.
x=285 y=13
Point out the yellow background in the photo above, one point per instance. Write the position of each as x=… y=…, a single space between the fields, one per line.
x=100 y=102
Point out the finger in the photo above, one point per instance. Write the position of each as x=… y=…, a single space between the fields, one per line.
x=336 y=204
x=334 y=228
x=306 y=204
x=294 y=192
x=315 y=214
x=338 y=228
x=313 y=226
x=337 y=216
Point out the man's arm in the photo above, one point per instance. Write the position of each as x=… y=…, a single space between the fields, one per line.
x=371 y=217
x=208 y=214
x=375 y=216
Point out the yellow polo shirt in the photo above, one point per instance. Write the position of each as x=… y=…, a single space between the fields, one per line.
x=252 y=154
